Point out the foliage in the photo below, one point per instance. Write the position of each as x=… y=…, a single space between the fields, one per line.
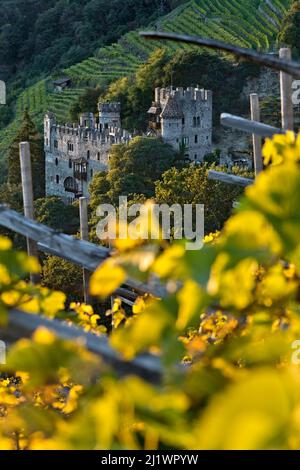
x=184 y=68
x=86 y=103
x=192 y=186
x=62 y=275
x=134 y=168
x=15 y=267
x=28 y=133
x=231 y=316
x=54 y=213
x=290 y=31
x=39 y=36
x=213 y=158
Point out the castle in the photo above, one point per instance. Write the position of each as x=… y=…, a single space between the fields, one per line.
x=74 y=153
x=183 y=118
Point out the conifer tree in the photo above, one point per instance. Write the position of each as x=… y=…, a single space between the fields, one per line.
x=29 y=133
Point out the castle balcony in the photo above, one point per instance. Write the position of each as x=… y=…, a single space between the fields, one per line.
x=80 y=169
x=71 y=185
x=155 y=125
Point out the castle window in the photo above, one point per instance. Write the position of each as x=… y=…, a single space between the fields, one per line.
x=185 y=141
x=182 y=121
x=198 y=121
x=195 y=156
x=57 y=179
x=92 y=173
x=88 y=154
x=196 y=139
x=194 y=121
x=47 y=142
x=56 y=161
x=98 y=156
x=70 y=163
x=55 y=144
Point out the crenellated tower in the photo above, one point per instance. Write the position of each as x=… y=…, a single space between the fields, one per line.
x=183 y=118
x=109 y=115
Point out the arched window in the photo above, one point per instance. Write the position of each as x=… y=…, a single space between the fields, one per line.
x=88 y=154
x=57 y=179
x=98 y=156
x=56 y=161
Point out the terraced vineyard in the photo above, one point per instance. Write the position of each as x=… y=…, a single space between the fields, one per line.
x=249 y=23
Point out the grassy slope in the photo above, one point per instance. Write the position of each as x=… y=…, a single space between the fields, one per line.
x=249 y=23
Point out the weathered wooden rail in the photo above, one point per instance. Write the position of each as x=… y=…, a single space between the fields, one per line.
x=229 y=179
x=23 y=324
x=251 y=127
x=80 y=252
x=88 y=256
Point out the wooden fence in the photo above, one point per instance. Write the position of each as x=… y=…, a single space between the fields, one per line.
x=89 y=256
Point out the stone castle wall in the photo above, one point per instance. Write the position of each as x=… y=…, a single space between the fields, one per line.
x=69 y=148
x=74 y=153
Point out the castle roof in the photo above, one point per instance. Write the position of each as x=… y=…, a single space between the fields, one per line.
x=172 y=109
x=154 y=109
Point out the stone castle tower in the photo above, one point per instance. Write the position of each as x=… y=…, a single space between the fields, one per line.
x=183 y=118
x=74 y=153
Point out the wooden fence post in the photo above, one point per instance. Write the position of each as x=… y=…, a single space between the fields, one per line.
x=27 y=189
x=286 y=81
x=257 y=141
x=84 y=235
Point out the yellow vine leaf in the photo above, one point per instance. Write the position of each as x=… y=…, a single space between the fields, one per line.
x=106 y=279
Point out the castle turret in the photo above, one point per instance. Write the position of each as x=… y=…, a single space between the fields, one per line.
x=49 y=122
x=171 y=122
x=87 y=120
x=109 y=115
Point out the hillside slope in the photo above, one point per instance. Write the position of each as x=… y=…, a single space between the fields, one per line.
x=249 y=23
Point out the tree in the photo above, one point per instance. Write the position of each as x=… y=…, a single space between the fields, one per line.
x=136 y=93
x=290 y=31
x=28 y=133
x=59 y=274
x=86 y=103
x=191 y=185
x=183 y=69
x=52 y=211
x=134 y=168
x=11 y=194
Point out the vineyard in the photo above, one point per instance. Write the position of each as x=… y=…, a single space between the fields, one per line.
x=229 y=315
x=184 y=341
x=248 y=23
